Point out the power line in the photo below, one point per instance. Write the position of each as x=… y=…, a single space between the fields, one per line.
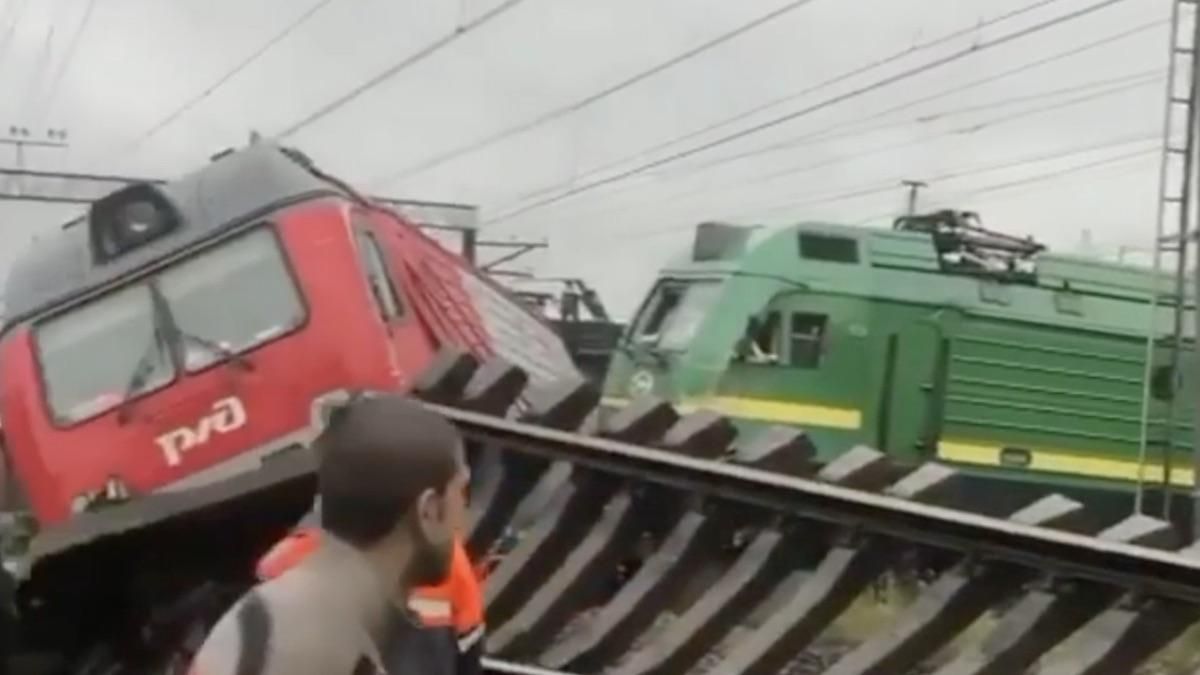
x=1062 y=172
x=842 y=77
x=768 y=176
x=758 y=179
x=1020 y=162
x=231 y=73
x=69 y=54
x=1040 y=179
x=1136 y=83
x=576 y=106
x=1020 y=114
x=821 y=134
x=854 y=93
x=396 y=68
x=836 y=79
x=18 y=9
x=1124 y=83
x=890 y=185
x=42 y=63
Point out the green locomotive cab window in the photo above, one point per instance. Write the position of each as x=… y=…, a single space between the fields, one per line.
x=660 y=308
x=828 y=248
x=675 y=312
x=806 y=339
x=760 y=345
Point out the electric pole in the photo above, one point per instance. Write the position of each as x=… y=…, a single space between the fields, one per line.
x=914 y=186
x=1176 y=201
x=20 y=138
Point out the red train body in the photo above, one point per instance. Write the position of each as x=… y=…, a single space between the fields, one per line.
x=178 y=335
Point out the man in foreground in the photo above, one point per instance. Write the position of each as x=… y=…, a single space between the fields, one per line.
x=449 y=638
x=390 y=480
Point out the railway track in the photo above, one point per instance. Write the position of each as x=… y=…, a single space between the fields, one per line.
x=665 y=544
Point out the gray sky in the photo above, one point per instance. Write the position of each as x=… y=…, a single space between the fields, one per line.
x=137 y=61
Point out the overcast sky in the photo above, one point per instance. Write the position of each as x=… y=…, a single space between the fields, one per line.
x=991 y=146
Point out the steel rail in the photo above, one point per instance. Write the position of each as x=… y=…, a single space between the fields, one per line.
x=499 y=667
x=1174 y=575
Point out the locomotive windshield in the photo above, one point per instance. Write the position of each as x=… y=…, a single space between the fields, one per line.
x=188 y=316
x=674 y=312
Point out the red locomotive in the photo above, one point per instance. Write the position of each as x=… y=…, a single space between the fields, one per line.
x=161 y=349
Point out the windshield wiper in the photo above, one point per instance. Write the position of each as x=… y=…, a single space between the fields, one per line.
x=145 y=363
x=137 y=379
x=240 y=360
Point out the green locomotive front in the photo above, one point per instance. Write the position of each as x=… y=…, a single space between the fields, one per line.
x=936 y=339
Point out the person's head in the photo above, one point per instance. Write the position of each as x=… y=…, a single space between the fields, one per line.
x=391 y=474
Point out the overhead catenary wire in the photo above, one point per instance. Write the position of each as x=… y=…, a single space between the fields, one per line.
x=820 y=105
x=576 y=106
x=821 y=134
x=829 y=82
x=1130 y=83
x=391 y=71
x=68 y=55
x=1014 y=164
x=882 y=186
x=250 y=59
x=1137 y=82
x=6 y=38
x=44 y=59
x=829 y=133
x=1116 y=85
x=996 y=187
x=1037 y=181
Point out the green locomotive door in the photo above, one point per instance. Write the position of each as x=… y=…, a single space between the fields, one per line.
x=801 y=363
x=912 y=386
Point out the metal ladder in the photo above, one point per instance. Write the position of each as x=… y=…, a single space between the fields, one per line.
x=1175 y=196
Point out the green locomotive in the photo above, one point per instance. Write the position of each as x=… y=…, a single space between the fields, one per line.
x=937 y=338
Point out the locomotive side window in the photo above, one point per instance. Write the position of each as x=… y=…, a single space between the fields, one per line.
x=387 y=301
x=762 y=339
x=806 y=339
x=828 y=248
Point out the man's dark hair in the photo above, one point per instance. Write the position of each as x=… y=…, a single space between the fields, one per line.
x=376 y=456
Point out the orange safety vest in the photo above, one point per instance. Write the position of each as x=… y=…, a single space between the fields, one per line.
x=456 y=602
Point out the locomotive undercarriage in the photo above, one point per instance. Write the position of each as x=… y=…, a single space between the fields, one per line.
x=134 y=587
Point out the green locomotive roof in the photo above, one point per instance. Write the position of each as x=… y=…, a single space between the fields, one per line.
x=906 y=266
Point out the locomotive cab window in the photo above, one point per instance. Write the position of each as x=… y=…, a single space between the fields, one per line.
x=674 y=313
x=387 y=300
x=231 y=298
x=661 y=306
x=806 y=339
x=828 y=248
x=210 y=307
x=98 y=354
x=762 y=340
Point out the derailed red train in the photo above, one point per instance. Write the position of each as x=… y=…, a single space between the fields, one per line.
x=164 y=352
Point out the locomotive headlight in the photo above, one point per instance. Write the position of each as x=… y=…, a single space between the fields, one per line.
x=114 y=491
x=128 y=219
